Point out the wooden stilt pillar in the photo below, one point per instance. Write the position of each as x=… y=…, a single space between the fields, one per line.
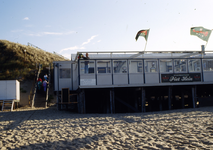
x=112 y=101
x=160 y=103
x=136 y=99
x=108 y=106
x=193 y=97
x=143 y=100
x=182 y=99
x=170 y=98
x=81 y=102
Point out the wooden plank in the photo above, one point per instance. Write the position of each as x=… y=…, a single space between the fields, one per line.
x=2 y=108
x=12 y=106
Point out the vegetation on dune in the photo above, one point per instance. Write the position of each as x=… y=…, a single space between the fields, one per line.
x=19 y=61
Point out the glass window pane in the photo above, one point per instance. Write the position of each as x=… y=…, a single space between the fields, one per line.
x=166 y=65
x=65 y=73
x=151 y=66
x=87 y=66
x=120 y=66
x=135 y=66
x=104 y=66
x=208 y=64
x=180 y=65
x=194 y=65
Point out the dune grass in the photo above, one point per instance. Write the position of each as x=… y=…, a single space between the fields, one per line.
x=18 y=61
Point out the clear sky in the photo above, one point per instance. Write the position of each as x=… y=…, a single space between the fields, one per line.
x=68 y=26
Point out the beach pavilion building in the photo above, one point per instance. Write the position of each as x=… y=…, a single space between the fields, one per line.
x=123 y=82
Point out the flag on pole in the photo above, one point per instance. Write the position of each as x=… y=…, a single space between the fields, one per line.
x=201 y=32
x=143 y=33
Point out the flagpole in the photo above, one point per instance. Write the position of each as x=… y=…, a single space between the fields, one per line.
x=206 y=44
x=145 y=46
x=146 y=42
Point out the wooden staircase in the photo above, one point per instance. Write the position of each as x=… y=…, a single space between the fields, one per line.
x=8 y=104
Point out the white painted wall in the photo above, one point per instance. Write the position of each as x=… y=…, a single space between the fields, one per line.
x=9 y=89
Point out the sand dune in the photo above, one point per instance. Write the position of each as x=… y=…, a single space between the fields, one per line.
x=52 y=129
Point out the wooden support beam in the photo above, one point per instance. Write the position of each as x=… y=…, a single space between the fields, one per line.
x=81 y=102
x=193 y=97
x=170 y=98
x=143 y=100
x=112 y=101
x=136 y=99
x=160 y=103
x=182 y=99
x=84 y=102
x=12 y=105
x=126 y=104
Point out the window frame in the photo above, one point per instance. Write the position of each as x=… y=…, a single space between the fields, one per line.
x=110 y=66
x=80 y=71
x=166 y=66
x=197 y=67
x=122 y=67
x=185 y=65
x=203 y=65
x=146 y=69
x=60 y=73
x=138 y=61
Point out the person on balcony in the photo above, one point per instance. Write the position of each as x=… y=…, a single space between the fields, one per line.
x=86 y=63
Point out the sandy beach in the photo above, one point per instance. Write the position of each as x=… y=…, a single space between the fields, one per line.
x=52 y=129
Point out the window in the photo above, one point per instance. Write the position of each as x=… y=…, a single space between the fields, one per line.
x=120 y=66
x=180 y=65
x=65 y=73
x=207 y=64
x=135 y=66
x=166 y=65
x=103 y=66
x=87 y=67
x=151 y=66
x=194 y=65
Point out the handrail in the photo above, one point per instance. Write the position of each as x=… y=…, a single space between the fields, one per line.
x=48 y=86
x=35 y=88
x=30 y=95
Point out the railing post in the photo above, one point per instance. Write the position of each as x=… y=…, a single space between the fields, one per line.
x=34 y=94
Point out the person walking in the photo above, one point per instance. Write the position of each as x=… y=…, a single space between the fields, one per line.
x=46 y=77
x=45 y=85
